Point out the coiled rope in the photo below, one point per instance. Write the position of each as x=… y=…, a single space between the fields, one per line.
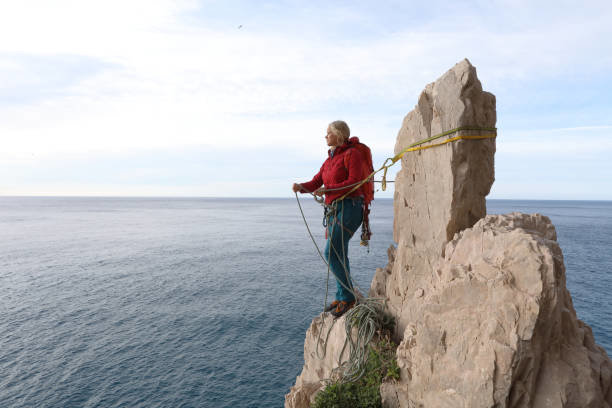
x=367 y=318
x=368 y=315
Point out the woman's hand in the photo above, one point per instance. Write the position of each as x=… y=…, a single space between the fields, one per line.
x=297 y=187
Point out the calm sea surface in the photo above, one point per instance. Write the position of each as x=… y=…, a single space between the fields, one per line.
x=115 y=302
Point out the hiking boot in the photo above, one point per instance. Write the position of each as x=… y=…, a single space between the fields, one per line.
x=331 y=306
x=342 y=308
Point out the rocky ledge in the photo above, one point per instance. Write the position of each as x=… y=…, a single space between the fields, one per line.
x=484 y=318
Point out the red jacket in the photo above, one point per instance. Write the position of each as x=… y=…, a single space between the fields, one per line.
x=344 y=168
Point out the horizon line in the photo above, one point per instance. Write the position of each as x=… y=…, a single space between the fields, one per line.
x=263 y=198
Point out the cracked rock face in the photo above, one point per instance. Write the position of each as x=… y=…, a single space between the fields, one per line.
x=438 y=191
x=496 y=326
x=483 y=315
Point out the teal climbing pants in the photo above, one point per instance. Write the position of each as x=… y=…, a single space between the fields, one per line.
x=341 y=226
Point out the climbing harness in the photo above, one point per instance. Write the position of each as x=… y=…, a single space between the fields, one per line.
x=368 y=315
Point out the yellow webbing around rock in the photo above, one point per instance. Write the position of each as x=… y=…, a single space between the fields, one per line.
x=452 y=139
x=417 y=146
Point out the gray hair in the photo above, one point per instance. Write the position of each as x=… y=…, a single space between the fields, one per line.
x=341 y=129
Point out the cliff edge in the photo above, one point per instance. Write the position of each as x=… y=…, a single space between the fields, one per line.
x=483 y=315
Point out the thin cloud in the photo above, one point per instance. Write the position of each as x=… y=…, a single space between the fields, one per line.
x=576 y=129
x=174 y=73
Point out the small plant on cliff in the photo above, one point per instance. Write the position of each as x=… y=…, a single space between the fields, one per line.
x=365 y=392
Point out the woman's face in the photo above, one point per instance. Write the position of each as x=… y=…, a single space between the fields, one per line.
x=332 y=139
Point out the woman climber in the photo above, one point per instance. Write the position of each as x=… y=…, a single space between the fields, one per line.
x=339 y=174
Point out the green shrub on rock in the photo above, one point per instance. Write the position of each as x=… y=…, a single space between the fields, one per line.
x=365 y=392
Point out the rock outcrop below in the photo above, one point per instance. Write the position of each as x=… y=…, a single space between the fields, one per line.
x=322 y=353
x=484 y=318
x=496 y=326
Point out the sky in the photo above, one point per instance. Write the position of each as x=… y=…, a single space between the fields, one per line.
x=232 y=98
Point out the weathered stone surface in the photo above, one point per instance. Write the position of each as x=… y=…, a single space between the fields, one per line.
x=319 y=360
x=442 y=190
x=497 y=328
x=484 y=316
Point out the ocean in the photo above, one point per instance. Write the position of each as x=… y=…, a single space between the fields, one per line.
x=201 y=302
